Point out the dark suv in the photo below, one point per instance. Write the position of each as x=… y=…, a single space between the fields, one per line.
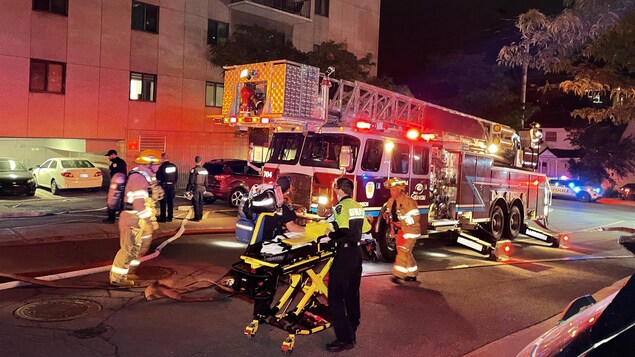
x=230 y=179
x=627 y=191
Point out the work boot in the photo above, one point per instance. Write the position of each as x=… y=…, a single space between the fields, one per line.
x=411 y=278
x=125 y=283
x=338 y=346
x=396 y=280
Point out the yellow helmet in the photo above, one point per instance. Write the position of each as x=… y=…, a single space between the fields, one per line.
x=148 y=156
x=395 y=182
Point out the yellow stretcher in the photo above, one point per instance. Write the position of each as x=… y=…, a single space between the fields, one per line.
x=302 y=263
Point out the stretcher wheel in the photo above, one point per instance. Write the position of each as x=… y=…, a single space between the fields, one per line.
x=251 y=329
x=288 y=344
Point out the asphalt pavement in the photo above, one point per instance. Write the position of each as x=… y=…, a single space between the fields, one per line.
x=214 y=220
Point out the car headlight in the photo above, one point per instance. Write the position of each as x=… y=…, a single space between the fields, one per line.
x=31 y=180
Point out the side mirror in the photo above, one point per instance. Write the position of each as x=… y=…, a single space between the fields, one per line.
x=346 y=158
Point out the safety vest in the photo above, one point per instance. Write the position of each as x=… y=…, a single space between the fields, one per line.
x=350 y=214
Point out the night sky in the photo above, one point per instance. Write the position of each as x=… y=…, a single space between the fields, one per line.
x=414 y=31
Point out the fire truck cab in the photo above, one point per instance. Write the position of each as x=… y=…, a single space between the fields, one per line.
x=466 y=174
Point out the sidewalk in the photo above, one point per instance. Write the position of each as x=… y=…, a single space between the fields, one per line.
x=213 y=221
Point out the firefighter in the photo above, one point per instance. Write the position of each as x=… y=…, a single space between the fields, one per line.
x=138 y=219
x=348 y=223
x=117 y=166
x=197 y=184
x=403 y=213
x=167 y=176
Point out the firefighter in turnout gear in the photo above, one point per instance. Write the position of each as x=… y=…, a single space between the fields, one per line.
x=402 y=212
x=348 y=224
x=138 y=219
x=197 y=184
x=167 y=176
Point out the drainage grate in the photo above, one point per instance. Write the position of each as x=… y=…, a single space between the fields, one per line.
x=153 y=272
x=57 y=309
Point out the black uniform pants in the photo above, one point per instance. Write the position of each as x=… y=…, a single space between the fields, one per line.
x=197 y=202
x=344 y=279
x=168 y=200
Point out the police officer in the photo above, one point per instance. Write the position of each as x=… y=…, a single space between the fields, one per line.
x=197 y=184
x=403 y=212
x=117 y=166
x=138 y=219
x=167 y=176
x=348 y=224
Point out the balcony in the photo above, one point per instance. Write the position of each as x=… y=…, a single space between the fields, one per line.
x=290 y=12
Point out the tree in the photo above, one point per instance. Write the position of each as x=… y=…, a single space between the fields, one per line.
x=602 y=152
x=250 y=44
x=590 y=42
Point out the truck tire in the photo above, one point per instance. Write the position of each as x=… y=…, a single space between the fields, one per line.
x=386 y=247
x=496 y=223
x=513 y=222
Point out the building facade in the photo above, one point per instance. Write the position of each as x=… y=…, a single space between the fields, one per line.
x=80 y=77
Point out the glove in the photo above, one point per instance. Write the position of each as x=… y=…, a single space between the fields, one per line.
x=188 y=195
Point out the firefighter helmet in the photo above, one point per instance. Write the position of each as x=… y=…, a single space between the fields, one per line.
x=395 y=182
x=148 y=156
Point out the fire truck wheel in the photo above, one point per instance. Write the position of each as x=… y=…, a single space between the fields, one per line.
x=235 y=196
x=387 y=246
x=497 y=223
x=513 y=223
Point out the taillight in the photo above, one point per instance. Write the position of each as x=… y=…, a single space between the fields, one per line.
x=565 y=238
x=220 y=177
x=97 y=174
x=67 y=174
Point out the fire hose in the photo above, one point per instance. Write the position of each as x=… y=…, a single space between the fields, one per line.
x=154 y=291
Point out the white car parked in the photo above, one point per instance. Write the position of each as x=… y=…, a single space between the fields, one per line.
x=66 y=172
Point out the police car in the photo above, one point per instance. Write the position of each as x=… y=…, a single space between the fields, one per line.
x=574 y=189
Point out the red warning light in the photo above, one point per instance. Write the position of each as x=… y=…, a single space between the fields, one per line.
x=565 y=238
x=362 y=125
x=427 y=137
x=507 y=248
x=413 y=134
x=536 y=182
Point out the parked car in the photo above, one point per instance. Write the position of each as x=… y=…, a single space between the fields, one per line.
x=15 y=179
x=593 y=328
x=231 y=179
x=66 y=173
x=574 y=189
x=627 y=191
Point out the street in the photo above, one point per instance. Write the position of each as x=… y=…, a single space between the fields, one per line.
x=463 y=301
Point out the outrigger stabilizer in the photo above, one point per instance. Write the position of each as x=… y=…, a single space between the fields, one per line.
x=300 y=263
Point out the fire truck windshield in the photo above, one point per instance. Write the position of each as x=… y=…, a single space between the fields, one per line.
x=323 y=150
x=285 y=148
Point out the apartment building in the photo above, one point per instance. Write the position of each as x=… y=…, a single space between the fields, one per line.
x=80 y=77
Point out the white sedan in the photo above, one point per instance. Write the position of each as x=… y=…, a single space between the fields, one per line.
x=65 y=172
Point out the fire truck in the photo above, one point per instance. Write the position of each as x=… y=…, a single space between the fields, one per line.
x=468 y=175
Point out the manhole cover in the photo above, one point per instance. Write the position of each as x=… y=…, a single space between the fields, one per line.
x=152 y=272
x=57 y=309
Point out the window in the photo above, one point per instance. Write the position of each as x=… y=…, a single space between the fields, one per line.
x=145 y=17
x=142 y=86
x=371 y=160
x=551 y=136
x=420 y=159
x=214 y=94
x=217 y=32
x=323 y=150
x=285 y=148
x=399 y=160
x=47 y=76
x=322 y=7
x=54 y=6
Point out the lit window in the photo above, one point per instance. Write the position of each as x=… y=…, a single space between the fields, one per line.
x=214 y=94
x=47 y=76
x=142 y=86
x=217 y=32
x=145 y=17
x=55 y=6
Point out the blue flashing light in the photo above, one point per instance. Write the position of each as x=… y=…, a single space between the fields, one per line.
x=571 y=185
x=597 y=190
x=576 y=189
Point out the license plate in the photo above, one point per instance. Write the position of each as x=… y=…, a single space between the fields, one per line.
x=83 y=175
